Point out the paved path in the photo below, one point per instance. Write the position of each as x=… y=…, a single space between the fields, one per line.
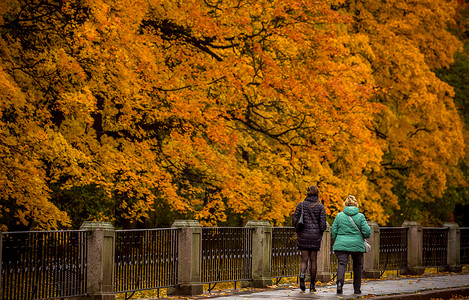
x=370 y=289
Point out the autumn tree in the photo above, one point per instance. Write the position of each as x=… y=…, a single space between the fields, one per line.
x=457 y=75
x=420 y=129
x=214 y=110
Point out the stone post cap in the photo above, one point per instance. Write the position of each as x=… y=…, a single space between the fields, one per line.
x=451 y=225
x=186 y=224
x=374 y=226
x=96 y=225
x=411 y=224
x=258 y=223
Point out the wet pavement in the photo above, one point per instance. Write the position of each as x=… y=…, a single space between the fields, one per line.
x=457 y=284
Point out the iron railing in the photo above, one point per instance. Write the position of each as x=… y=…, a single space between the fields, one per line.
x=464 y=249
x=53 y=264
x=226 y=254
x=44 y=264
x=145 y=259
x=392 y=249
x=435 y=246
x=285 y=255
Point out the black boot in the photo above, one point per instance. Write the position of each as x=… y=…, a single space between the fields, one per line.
x=312 y=287
x=302 y=282
x=339 y=287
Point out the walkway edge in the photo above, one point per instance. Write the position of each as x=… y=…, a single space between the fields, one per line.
x=426 y=295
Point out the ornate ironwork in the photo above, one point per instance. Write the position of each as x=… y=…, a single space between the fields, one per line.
x=44 y=264
x=226 y=254
x=392 y=248
x=435 y=246
x=145 y=259
x=285 y=254
x=53 y=264
x=464 y=250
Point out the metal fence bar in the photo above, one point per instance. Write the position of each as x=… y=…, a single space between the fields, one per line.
x=226 y=254
x=392 y=248
x=145 y=259
x=464 y=248
x=435 y=246
x=285 y=254
x=44 y=264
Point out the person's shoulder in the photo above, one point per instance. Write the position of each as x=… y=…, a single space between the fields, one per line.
x=298 y=205
x=320 y=205
x=362 y=217
x=339 y=218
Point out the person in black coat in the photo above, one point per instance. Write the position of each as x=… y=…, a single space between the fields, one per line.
x=309 y=239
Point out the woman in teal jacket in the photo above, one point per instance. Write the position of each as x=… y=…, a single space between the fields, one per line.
x=349 y=241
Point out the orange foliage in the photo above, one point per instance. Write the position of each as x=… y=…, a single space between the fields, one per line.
x=421 y=128
x=213 y=109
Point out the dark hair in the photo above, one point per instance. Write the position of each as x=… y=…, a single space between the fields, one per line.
x=313 y=190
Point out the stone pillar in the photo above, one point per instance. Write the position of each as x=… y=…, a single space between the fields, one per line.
x=261 y=253
x=189 y=258
x=371 y=259
x=100 y=265
x=454 y=244
x=324 y=257
x=414 y=248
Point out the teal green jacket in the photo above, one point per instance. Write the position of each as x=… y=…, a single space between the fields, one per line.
x=346 y=236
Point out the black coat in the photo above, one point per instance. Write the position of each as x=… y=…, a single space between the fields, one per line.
x=315 y=223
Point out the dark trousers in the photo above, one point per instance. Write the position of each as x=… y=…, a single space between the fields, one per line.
x=357 y=258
